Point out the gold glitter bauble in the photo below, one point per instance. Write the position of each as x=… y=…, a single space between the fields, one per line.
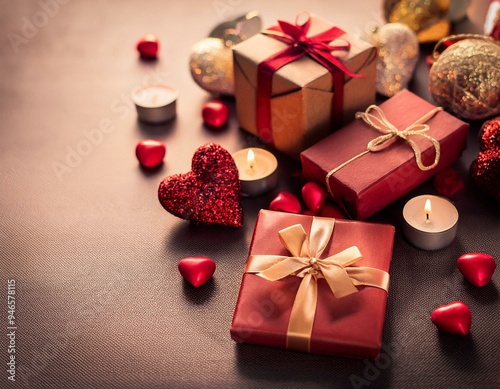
x=426 y=17
x=397 y=46
x=466 y=77
x=211 y=65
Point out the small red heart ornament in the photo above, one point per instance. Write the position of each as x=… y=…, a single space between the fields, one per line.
x=148 y=46
x=196 y=270
x=285 y=202
x=210 y=193
x=477 y=268
x=314 y=196
x=150 y=153
x=454 y=318
x=215 y=113
x=332 y=211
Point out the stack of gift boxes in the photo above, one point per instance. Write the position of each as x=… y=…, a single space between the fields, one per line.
x=314 y=284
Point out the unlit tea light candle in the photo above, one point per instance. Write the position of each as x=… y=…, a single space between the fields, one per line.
x=258 y=170
x=430 y=222
x=155 y=103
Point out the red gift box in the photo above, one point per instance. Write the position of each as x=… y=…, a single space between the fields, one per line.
x=405 y=153
x=347 y=319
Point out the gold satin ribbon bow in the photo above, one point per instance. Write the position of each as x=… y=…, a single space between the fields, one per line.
x=305 y=262
x=390 y=134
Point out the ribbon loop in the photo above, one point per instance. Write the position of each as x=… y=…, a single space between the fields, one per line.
x=379 y=121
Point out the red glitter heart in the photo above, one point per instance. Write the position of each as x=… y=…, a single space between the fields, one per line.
x=454 y=318
x=210 y=193
x=477 y=268
x=485 y=169
x=196 y=270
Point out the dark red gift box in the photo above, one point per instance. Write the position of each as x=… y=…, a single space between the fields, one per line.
x=369 y=183
x=347 y=326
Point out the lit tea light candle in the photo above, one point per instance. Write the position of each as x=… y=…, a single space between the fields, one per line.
x=155 y=103
x=430 y=222
x=258 y=170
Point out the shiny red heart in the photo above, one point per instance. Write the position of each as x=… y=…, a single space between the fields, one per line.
x=196 y=270
x=150 y=153
x=314 y=196
x=285 y=202
x=215 y=113
x=332 y=210
x=148 y=46
x=454 y=318
x=210 y=193
x=477 y=268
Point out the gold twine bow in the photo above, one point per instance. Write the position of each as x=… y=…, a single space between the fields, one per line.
x=391 y=134
x=305 y=262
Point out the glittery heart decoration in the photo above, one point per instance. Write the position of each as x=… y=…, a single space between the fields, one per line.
x=210 y=193
x=285 y=202
x=477 y=268
x=465 y=77
x=485 y=169
x=196 y=270
x=397 y=46
x=150 y=152
x=454 y=318
x=314 y=196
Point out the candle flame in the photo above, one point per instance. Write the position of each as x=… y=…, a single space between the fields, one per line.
x=250 y=160
x=427 y=210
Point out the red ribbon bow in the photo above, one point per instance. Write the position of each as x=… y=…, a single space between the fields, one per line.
x=299 y=44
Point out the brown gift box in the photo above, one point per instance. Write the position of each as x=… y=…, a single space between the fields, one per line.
x=373 y=181
x=301 y=99
x=348 y=326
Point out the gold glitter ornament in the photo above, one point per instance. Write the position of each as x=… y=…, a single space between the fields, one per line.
x=426 y=17
x=465 y=77
x=397 y=48
x=211 y=59
x=211 y=65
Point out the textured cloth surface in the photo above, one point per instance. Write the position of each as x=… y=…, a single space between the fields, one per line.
x=99 y=300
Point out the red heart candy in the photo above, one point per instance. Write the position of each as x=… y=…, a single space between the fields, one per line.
x=196 y=270
x=286 y=202
x=477 y=268
x=314 y=196
x=215 y=113
x=454 y=318
x=332 y=210
x=148 y=46
x=150 y=153
x=210 y=193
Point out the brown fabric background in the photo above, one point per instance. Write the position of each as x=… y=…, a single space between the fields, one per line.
x=99 y=301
